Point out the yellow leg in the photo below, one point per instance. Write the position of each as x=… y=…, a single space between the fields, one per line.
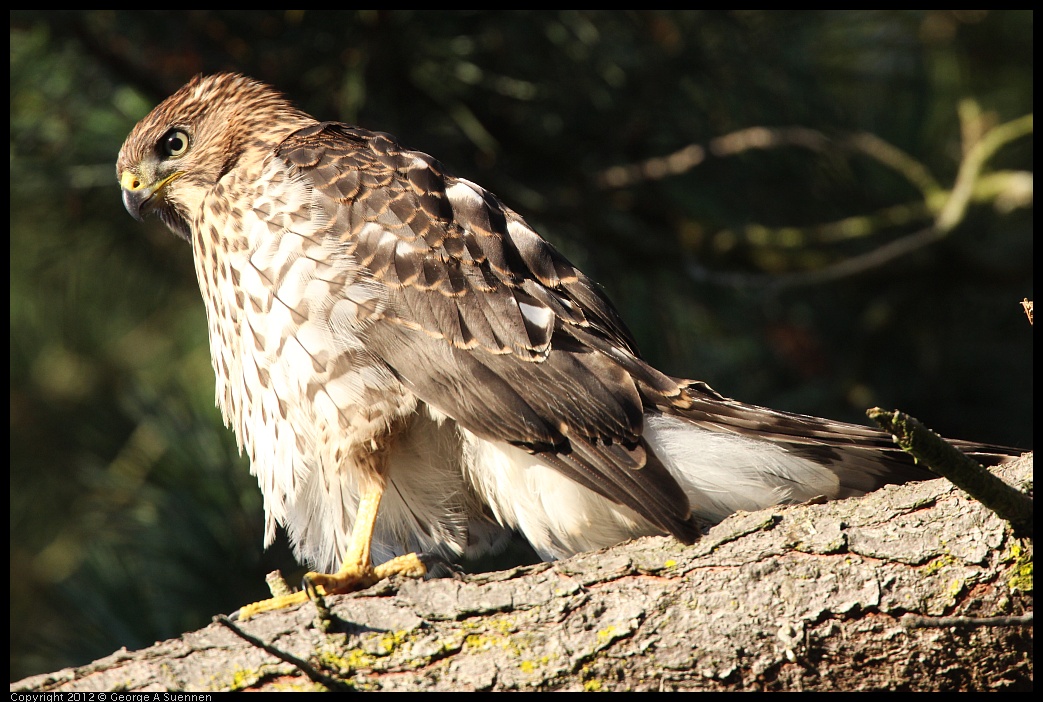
x=356 y=572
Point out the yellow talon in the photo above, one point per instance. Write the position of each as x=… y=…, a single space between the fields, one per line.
x=356 y=573
x=269 y=605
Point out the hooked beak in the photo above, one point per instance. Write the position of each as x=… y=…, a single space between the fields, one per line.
x=138 y=196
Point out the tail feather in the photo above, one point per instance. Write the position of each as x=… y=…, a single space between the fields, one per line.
x=728 y=455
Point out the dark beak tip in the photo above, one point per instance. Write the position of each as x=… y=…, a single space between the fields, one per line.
x=132 y=203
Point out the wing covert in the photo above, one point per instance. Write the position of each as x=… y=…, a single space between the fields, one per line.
x=487 y=322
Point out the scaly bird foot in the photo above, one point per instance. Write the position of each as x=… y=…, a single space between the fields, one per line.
x=350 y=578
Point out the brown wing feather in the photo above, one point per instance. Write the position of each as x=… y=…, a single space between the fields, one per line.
x=488 y=323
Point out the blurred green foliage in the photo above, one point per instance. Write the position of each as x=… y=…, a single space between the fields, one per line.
x=133 y=517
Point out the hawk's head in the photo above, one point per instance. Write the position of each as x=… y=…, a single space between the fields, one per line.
x=176 y=154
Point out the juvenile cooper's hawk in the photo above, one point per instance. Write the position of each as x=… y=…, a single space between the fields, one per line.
x=386 y=334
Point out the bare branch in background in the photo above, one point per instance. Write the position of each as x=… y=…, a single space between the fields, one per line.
x=943 y=209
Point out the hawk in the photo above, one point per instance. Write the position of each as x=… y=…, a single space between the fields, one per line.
x=413 y=370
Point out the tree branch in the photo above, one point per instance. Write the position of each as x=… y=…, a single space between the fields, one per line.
x=944 y=209
x=808 y=597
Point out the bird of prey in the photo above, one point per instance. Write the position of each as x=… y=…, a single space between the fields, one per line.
x=412 y=369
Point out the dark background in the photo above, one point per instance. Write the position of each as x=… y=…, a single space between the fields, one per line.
x=132 y=516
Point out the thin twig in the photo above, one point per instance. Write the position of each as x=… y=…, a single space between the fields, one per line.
x=302 y=665
x=915 y=621
x=963 y=471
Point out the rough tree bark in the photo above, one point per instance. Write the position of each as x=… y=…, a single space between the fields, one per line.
x=809 y=597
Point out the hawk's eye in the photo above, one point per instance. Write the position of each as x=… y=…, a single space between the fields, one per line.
x=174 y=143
